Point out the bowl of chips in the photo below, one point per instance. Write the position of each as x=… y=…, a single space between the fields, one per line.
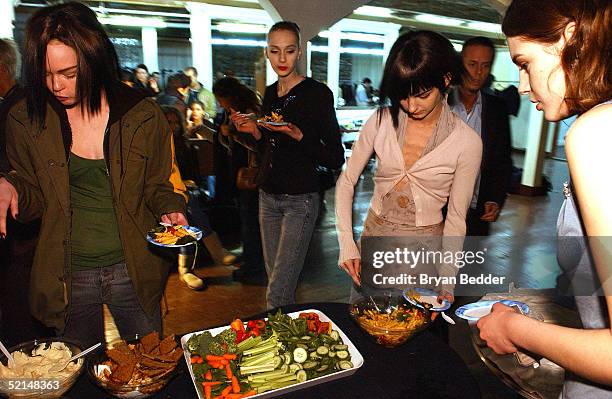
x=31 y=376
x=135 y=367
x=389 y=320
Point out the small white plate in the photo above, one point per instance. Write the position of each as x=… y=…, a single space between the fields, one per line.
x=427 y=296
x=272 y=123
x=197 y=233
x=474 y=311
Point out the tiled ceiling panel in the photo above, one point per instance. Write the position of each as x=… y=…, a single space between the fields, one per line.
x=476 y=10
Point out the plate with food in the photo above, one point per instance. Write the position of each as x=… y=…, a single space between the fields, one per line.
x=388 y=320
x=474 y=311
x=175 y=236
x=426 y=298
x=269 y=357
x=274 y=119
x=135 y=367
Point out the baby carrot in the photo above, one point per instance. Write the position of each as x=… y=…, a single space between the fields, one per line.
x=211 y=383
x=208 y=391
x=230 y=356
x=235 y=385
x=213 y=358
x=226 y=391
x=208 y=375
x=228 y=371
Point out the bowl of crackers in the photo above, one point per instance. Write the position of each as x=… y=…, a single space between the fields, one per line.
x=135 y=367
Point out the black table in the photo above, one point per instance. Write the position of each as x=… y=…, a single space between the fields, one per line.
x=424 y=367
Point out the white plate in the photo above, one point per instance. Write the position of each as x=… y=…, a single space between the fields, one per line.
x=272 y=123
x=427 y=296
x=193 y=230
x=476 y=310
x=356 y=359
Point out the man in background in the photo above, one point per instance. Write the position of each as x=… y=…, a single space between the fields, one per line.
x=199 y=92
x=10 y=65
x=487 y=115
x=175 y=92
x=363 y=93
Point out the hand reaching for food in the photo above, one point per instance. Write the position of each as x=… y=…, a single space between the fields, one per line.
x=245 y=124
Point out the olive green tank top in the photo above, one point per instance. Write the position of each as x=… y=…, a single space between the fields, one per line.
x=95 y=235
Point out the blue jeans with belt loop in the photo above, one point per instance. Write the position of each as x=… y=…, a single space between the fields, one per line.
x=110 y=285
x=287 y=222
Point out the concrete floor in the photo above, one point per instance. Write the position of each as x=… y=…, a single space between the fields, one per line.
x=530 y=261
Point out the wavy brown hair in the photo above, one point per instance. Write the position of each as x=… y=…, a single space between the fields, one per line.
x=586 y=58
x=77 y=26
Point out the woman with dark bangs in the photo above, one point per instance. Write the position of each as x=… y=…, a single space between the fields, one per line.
x=426 y=156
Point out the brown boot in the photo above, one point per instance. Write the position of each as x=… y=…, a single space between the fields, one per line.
x=219 y=254
x=185 y=263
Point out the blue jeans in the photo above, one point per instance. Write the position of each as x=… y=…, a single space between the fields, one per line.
x=286 y=222
x=109 y=285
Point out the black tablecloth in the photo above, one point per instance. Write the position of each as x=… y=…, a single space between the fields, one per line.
x=424 y=367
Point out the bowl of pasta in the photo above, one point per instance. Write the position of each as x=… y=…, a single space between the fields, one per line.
x=389 y=320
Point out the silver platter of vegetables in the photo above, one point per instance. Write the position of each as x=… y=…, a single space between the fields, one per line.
x=269 y=357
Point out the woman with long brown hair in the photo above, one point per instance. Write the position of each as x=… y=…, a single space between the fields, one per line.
x=92 y=158
x=562 y=50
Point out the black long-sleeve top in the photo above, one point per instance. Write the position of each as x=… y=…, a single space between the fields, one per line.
x=289 y=166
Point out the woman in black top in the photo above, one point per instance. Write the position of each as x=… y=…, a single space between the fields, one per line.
x=288 y=179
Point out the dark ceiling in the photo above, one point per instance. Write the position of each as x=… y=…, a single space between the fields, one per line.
x=475 y=10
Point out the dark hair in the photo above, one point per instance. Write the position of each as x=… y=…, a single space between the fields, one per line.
x=125 y=75
x=289 y=26
x=196 y=101
x=585 y=58
x=417 y=62
x=366 y=80
x=142 y=66
x=177 y=81
x=480 y=41
x=76 y=26
x=241 y=98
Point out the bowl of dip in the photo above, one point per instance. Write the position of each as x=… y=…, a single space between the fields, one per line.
x=30 y=376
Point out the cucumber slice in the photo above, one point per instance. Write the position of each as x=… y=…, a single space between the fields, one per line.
x=287 y=358
x=322 y=350
x=340 y=347
x=345 y=365
x=294 y=367
x=300 y=355
x=313 y=355
x=322 y=368
x=278 y=361
x=331 y=354
x=305 y=347
x=310 y=365
x=334 y=335
x=301 y=376
x=342 y=354
x=306 y=338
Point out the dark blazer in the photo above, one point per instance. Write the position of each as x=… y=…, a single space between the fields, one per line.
x=496 y=167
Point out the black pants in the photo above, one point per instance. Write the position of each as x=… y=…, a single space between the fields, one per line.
x=475 y=226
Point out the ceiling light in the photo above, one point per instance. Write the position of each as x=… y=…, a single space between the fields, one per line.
x=373 y=11
x=126 y=20
x=484 y=26
x=240 y=28
x=438 y=20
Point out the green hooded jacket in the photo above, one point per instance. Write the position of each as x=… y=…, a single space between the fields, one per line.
x=139 y=159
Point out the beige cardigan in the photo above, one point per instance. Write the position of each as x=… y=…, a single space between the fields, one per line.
x=448 y=173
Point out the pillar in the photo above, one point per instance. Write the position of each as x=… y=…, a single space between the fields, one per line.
x=201 y=42
x=149 y=48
